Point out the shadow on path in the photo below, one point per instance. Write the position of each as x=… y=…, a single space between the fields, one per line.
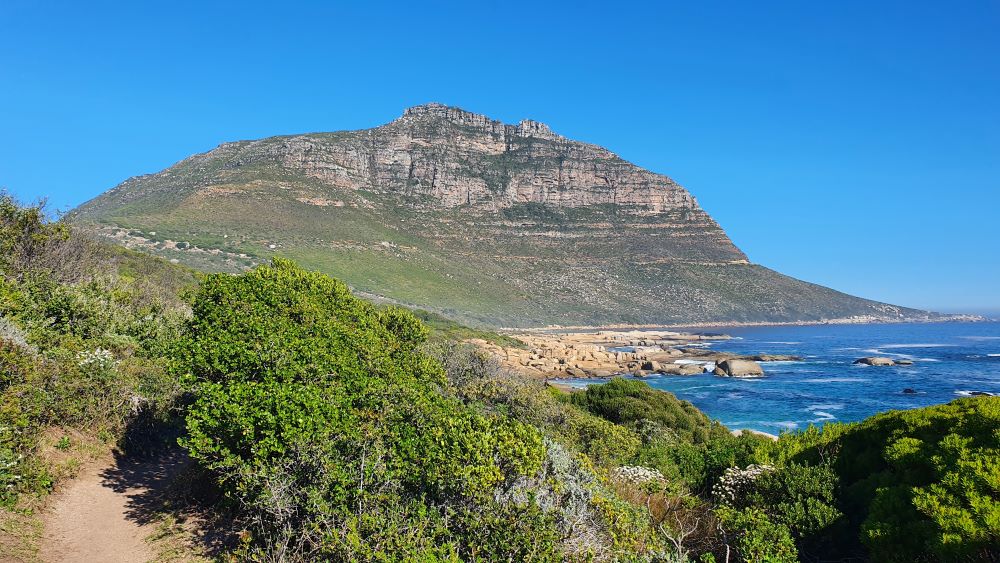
x=166 y=483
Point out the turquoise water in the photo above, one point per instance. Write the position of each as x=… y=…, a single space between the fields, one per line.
x=950 y=360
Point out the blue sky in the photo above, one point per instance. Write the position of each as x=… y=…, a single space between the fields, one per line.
x=854 y=144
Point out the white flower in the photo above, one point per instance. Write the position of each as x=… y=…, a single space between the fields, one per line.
x=637 y=475
x=99 y=358
x=736 y=482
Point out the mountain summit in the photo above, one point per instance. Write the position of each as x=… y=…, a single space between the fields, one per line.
x=482 y=221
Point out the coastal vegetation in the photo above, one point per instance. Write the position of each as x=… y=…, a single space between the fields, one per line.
x=329 y=428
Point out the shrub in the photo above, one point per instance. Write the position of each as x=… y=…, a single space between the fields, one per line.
x=80 y=344
x=323 y=419
x=799 y=497
x=631 y=402
x=479 y=379
x=755 y=537
x=913 y=484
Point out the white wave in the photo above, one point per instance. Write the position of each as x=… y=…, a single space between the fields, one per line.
x=928 y=360
x=980 y=337
x=823 y=416
x=964 y=393
x=878 y=352
x=891 y=346
x=780 y=342
x=993 y=355
x=687 y=362
x=786 y=424
x=826 y=407
x=836 y=380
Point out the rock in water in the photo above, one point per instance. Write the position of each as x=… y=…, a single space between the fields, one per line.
x=903 y=362
x=875 y=361
x=683 y=369
x=775 y=358
x=738 y=368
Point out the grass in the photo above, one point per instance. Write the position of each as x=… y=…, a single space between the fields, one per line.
x=21 y=532
x=444 y=329
x=173 y=542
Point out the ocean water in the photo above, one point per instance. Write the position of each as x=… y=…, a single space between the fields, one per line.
x=950 y=360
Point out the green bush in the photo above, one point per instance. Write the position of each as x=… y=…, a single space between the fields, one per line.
x=324 y=420
x=756 y=537
x=479 y=379
x=81 y=344
x=802 y=498
x=630 y=402
x=914 y=484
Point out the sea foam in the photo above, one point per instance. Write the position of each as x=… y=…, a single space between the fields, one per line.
x=826 y=407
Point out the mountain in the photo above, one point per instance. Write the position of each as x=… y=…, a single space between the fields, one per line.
x=484 y=222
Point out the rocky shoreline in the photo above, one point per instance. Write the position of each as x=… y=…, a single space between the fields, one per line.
x=640 y=353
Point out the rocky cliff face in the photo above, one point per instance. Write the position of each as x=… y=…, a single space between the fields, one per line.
x=451 y=210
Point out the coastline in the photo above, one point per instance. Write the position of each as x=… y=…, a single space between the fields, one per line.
x=742 y=324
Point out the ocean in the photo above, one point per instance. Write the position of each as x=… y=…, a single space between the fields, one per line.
x=951 y=360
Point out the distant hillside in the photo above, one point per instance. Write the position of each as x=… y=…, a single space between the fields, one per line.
x=474 y=219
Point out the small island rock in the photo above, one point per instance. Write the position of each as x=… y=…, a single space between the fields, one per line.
x=738 y=368
x=682 y=369
x=774 y=358
x=875 y=361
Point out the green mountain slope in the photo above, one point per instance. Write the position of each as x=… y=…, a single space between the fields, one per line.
x=481 y=221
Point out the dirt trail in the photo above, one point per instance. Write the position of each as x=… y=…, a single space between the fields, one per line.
x=106 y=513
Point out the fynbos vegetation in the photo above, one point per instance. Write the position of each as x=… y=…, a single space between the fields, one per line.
x=338 y=430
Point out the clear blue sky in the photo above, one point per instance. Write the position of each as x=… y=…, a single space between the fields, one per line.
x=852 y=143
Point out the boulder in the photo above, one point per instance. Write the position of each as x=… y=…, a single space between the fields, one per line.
x=738 y=368
x=903 y=362
x=981 y=394
x=650 y=365
x=909 y=391
x=875 y=361
x=774 y=358
x=682 y=369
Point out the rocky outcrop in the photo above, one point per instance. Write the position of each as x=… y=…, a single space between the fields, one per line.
x=773 y=358
x=602 y=354
x=875 y=361
x=738 y=368
x=683 y=369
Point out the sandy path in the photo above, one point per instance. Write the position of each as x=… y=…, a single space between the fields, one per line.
x=106 y=513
